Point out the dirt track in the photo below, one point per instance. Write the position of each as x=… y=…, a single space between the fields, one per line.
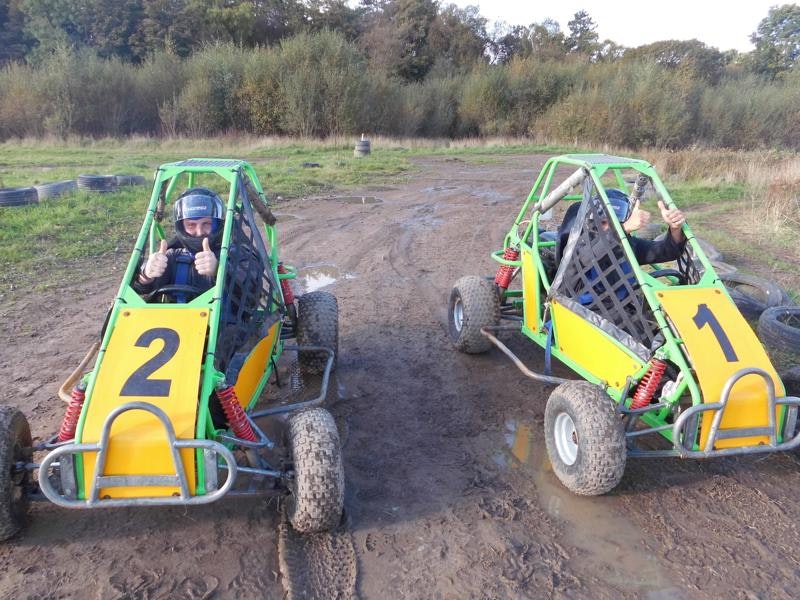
x=449 y=492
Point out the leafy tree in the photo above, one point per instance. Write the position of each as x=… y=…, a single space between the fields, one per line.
x=547 y=40
x=14 y=41
x=172 y=26
x=777 y=41
x=690 y=56
x=336 y=15
x=413 y=19
x=582 y=38
x=458 y=36
x=55 y=24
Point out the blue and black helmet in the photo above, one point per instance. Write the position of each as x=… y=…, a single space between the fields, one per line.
x=198 y=203
x=621 y=204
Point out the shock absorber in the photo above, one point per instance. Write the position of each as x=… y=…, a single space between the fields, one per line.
x=237 y=419
x=70 y=422
x=286 y=287
x=504 y=272
x=649 y=383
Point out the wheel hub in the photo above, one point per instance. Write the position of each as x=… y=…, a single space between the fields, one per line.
x=566 y=438
x=458 y=314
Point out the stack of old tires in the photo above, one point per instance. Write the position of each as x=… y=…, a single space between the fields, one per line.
x=362 y=148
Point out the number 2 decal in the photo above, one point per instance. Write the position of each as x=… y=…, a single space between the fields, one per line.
x=139 y=383
x=704 y=317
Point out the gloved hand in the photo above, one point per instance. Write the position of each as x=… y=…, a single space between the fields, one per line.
x=156 y=262
x=206 y=261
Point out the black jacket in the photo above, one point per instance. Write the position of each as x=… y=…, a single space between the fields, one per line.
x=176 y=249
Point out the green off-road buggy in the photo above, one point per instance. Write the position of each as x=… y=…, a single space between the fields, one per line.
x=669 y=366
x=165 y=416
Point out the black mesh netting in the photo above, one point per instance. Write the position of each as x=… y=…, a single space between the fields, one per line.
x=595 y=278
x=249 y=302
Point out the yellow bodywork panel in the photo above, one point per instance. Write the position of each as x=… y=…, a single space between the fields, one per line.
x=154 y=356
x=530 y=290
x=253 y=369
x=720 y=342
x=591 y=349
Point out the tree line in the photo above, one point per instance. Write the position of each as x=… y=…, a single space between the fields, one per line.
x=397 y=67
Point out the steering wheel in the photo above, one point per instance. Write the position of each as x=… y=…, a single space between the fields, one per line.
x=191 y=291
x=670 y=273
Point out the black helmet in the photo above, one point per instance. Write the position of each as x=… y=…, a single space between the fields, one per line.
x=197 y=203
x=620 y=204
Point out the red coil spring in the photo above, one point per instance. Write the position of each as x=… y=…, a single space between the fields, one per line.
x=286 y=287
x=235 y=414
x=70 y=422
x=648 y=384
x=504 y=272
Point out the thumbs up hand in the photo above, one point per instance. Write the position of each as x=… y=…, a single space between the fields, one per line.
x=156 y=262
x=637 y=219
x=206 y=261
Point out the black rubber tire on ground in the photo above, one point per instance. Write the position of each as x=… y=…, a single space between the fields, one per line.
x=18 y=196
x=791 y=381
x=317 y=325
x=753 y=295
x=779 y=328
x=123 y=180
x=54 y=190
x=97 y=183
x=473 y=304
x=15 y=444
x=712 y=254
x=723 y=267
x=316 y=498
x=582 y=417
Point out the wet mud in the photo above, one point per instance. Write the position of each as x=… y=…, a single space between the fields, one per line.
x=449 y=492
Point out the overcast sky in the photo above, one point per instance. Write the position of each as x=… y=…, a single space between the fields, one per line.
x=723 y=24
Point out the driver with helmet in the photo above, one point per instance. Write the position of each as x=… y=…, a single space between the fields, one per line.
x=191 y=258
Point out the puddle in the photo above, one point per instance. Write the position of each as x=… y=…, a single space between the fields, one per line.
x=439 y=188
x=317 y=277
x=614 y=546
x=358 y=199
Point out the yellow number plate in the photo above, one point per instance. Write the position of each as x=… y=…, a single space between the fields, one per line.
x=154 y=356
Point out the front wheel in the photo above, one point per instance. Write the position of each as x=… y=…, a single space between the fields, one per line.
x=15 y=447
x=316 y=496
x=585 y=438
x=473 y=304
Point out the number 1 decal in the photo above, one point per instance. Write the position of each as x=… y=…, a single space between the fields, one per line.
x=705 y=317
x=139 y=383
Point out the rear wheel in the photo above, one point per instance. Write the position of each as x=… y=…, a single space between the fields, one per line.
x=473 y=304
x=15 y=445
x=317 y=490
x=317 y=325
x=585 y=438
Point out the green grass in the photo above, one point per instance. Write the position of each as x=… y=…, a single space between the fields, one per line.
x=40 y=239
x=689 y=194
x=36 y=241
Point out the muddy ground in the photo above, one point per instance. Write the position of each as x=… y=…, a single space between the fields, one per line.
x=449 y=491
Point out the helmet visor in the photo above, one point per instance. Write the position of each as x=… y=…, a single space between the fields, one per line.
x=620 y=204
x=197 y=206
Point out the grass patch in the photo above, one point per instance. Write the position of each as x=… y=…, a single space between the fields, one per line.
x=691 y=194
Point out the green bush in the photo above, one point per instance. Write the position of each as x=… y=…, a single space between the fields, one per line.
x=321 y=77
